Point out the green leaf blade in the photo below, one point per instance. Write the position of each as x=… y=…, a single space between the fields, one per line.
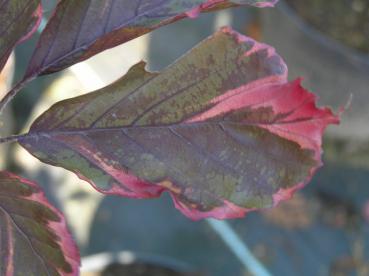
x=34 y=235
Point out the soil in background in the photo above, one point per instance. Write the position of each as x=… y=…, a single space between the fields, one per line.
x=344 y=20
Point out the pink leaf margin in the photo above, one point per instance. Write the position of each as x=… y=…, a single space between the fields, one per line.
x=38 y=15
x=66 y=241
x=211 y=3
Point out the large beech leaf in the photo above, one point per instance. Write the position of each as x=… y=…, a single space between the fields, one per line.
x=83 y=28
x=221 y=130
x=34 y=239
x=18 y=20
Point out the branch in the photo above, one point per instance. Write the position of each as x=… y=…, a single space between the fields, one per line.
x=12 y=93
x=13 y=138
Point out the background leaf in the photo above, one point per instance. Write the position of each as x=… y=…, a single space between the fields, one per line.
x=221 y=129
x=19 y=19
x=81 y=29
x=34 y=236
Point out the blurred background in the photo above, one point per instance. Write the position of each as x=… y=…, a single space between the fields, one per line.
x=323 y=230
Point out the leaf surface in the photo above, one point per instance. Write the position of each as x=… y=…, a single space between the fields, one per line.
x=221 y=129
x=83 y=28
x=34 y=236
x=18 y=20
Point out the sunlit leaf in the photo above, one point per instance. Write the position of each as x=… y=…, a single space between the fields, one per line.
x=221 y=129
x=18 y=20
x=83 y=28
x=33 y=234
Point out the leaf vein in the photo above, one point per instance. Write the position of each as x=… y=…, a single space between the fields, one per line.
x=26 y=238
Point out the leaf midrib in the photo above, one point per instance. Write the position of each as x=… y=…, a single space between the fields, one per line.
x=72 y=131
x=219 y=124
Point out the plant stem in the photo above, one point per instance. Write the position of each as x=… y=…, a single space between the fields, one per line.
x=13 y=138
x=12 y=93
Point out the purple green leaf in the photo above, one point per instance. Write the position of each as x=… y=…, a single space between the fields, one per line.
x=83 y=28
x=221 y=129
x=18 y=20
x=33 y=234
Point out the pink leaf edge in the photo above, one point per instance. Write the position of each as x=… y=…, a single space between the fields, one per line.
x=38 y=15
x=211 y=3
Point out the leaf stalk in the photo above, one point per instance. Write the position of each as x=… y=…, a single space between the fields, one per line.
x=12 y=93
x=12 y=138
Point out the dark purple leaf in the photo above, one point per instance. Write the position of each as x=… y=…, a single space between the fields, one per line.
x=83 y=28
x=221 y=129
